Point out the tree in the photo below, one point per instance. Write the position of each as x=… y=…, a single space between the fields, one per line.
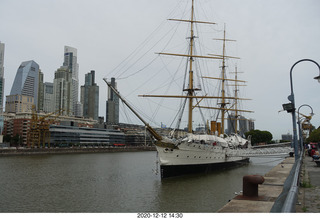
x=258 y=136
x=314 y=135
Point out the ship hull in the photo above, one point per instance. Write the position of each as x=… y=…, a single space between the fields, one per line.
x=179 y=170
x=191 y=157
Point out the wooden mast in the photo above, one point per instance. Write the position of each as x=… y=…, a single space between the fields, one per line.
x=190 y=89
x=223 y=78
x=236 y=90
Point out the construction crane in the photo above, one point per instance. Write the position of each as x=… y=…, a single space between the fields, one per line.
x=39 y=128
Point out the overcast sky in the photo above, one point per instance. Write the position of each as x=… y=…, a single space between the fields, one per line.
x=271 y=36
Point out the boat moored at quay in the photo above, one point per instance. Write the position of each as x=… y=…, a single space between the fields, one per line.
x=213 y=149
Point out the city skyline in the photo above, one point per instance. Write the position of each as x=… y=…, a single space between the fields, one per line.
x=271 y=36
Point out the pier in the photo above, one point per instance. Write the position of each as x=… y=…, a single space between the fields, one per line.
x=12 y=151
x=270 y=191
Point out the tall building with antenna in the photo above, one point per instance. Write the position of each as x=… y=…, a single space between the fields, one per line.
x=70 y=61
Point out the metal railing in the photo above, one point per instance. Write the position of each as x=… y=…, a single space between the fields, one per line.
x=287 y=200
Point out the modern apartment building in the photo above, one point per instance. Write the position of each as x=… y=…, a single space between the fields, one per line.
x=1 y=85
x=48 y=97
x=70 y=61
x=244 y=125
x=90 y=97
x=40 y=92
x=19 y=103
x=112 y=105
x=63 y=91
x=1 y=74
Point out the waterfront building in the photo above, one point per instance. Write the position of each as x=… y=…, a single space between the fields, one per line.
x=251 y=124
x=244 y=125
x=40 y=92
x=70 y=61
x=26 y=81
x=18 y=124
x=90 y=97
x=19 y=103
x=286 y=137
x=2 y=46
x=1 y=74
x=63 y=91
x=79 y=109
x=48 y=97
x=72 y=135
x=112 y=105
x=231 y=124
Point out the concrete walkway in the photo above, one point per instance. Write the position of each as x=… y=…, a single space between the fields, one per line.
x=268 y=192
x=309 y=190
x=309 y=197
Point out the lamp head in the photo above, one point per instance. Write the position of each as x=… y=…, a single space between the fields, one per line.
x=317 y=78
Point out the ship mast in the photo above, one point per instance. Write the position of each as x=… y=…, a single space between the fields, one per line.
x=223 y=78
x=236 y=101
x=236 y=90
x=190 y=90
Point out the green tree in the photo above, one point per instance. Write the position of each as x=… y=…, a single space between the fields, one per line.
x=314 y=135
x=258 y=136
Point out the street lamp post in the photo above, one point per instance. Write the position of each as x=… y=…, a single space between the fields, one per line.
x=293 y=111
x=299 y=125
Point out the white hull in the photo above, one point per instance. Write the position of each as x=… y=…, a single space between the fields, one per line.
x=193 y=154
x=198 y=153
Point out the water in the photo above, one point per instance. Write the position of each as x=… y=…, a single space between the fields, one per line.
x=114 y=182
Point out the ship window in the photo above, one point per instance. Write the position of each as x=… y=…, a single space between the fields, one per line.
x=187 y=156
x=177 y=155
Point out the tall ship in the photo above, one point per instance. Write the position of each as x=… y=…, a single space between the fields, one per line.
x=213 y=149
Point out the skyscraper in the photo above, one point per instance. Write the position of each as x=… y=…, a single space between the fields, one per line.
x=1 y=85
x=90 y=97
x=63 y=91
x=70 y=61
x=112 y=108
x=48 y=97
x=40 y=92
x=1 y=74
x=26 y=81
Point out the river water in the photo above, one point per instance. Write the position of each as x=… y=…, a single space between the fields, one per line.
x=114 y=182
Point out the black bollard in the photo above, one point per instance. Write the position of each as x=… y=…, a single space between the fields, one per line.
x=250 y=185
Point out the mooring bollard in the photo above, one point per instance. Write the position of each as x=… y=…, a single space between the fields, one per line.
x=250 y=185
